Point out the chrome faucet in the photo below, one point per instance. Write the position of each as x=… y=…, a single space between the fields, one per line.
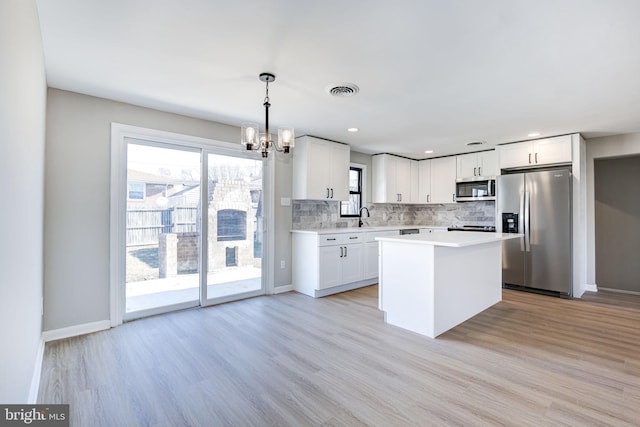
x=360 y=223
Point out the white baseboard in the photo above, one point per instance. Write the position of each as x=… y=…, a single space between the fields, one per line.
x=77 y=330
x=591 y=288
x=620 y=291
x=37 y=371
x=282 y=289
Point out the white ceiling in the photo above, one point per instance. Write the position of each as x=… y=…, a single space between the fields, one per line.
x=433 y=74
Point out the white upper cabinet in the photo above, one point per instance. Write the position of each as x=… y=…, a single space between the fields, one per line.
x=473 y=165
x=424 y=181
x=415 y=181
x=393 y=179
x=443 y=180
x=539 y=152
x=437 y=180
x=320 y=169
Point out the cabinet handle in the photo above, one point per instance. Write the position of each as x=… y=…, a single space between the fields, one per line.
x=332 y=193
x=529 y=158
x=341 y=251
x=474 y=171
x=327 y=193
x=428 y=198
x=453 y=197
x=353 y=237
x=400 y=197
x=333 y=238
x=345 y=251
x=479 y=170
x=536 y=157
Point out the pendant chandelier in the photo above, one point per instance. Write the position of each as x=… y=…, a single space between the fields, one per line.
x=253 y=139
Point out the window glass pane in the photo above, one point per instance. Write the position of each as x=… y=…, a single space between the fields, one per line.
x=352 y=207
x=354 y=180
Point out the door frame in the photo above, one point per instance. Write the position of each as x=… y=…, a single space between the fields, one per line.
x=118 y=183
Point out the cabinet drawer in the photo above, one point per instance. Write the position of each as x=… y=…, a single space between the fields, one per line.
x=340 y=239
x=353 y=238
x=329 y=239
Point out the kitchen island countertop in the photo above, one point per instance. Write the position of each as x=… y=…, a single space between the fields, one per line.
x=454 y=239
x=367 y=228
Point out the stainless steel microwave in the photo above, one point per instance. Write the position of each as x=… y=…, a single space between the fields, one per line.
x=477 y=188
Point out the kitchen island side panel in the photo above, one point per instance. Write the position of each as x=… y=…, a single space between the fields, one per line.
x=468 y=280
x=407 y=286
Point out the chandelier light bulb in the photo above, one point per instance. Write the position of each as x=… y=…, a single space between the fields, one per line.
x=249 y=134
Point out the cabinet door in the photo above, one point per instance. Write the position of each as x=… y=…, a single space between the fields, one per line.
x=383 y=177
x=443 y=180
x=339 y=171
x=319 y=158
x=424 y=181
x=371 y=260
x=467 y=165
x=488 y=163
x=403 y=180
x=515 y=155
x=552 y=150
x=415 y=181
x=330 y=266
x=352 y=263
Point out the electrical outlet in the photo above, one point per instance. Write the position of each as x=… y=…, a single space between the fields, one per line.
x=281 y=263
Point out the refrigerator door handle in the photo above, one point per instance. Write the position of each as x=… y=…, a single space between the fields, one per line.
x=527 y=228
x=521 y=221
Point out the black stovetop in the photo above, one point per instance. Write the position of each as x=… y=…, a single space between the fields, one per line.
x=485 y=228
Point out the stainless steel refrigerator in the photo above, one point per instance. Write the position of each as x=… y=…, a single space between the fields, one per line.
x=537 y=204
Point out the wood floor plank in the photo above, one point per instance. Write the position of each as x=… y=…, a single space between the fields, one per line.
x=292 y=360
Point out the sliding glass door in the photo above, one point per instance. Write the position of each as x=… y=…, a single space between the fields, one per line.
x=234 y=228
x=163 y=227
x=190 y=210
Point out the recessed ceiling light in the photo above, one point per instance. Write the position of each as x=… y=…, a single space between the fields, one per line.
x=533 y=134
x=353 y=130
x=428 y=152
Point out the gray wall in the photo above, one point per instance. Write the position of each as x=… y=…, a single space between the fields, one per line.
x=22 y=131
x=602 y=148
x=77 y=200
x=617 y=223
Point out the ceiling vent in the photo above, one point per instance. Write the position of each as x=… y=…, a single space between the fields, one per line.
x=343 y=90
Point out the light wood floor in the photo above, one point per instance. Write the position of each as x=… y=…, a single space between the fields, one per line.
x=291 y=360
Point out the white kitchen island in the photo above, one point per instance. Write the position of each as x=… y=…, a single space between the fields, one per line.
x=430 y=283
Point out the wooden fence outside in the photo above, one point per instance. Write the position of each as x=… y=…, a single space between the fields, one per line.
x=145 y=225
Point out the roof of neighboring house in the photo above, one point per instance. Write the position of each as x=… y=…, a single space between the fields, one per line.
x=149 y=178
x=190 y=194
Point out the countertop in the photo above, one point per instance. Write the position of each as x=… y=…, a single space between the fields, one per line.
x=367 y=228
x=454 y=239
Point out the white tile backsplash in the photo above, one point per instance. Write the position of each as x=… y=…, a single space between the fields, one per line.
x=319 y=214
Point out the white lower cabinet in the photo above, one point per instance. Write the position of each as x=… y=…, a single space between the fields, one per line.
x=329 y=269
x=340 y=264
x=324 y=264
